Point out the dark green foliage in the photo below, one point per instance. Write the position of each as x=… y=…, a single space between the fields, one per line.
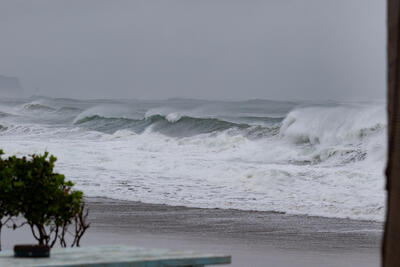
x=29 y=187
x=7 y=195
x=8 y=205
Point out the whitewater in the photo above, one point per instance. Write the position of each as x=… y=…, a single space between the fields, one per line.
x=318 y=159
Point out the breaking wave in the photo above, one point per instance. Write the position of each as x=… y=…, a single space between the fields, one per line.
x=42 y=107
x=333 y=125
x=3 y=114
x=37 y=107
x=175 y=126
x=346 y=134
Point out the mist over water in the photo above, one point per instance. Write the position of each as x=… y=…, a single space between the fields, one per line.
x=315 y=158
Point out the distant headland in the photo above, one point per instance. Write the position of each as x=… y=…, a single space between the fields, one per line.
x=10 y=86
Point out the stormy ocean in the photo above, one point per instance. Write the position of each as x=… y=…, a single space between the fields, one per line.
x=309 y=158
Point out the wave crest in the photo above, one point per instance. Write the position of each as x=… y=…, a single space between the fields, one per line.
x=173 y=126
x=332 y=125
x=34 y=106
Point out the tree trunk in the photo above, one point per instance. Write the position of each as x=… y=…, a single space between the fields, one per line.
x=391 y=240
x=1 y=227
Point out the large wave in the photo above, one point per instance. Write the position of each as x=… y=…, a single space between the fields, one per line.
x=333 y=125
x=45 y=106
x=182 y=126
x=36 y=106
x=346 y=133
x=178 y=123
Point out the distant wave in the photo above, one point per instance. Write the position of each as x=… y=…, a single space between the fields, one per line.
x=42 y=107
x=171 y=125
x=68 y=109
x=37 y=107
x=4 y=114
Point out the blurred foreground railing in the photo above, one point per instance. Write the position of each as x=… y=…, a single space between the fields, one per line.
x=115 y=256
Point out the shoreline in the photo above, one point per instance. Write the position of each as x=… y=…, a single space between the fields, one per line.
x=110 y=199
x=277 y=228
x=253 y=238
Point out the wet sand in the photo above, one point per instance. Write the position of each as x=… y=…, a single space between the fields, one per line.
x=252 y=238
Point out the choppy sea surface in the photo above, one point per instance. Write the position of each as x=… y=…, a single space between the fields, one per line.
x=314 y=158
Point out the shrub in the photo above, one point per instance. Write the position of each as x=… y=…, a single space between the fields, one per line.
x=8 y=205
x=44 y=198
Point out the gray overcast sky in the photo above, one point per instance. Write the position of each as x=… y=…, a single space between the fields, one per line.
x=213 y=49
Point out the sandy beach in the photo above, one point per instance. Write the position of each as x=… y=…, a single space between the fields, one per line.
x=252 y=238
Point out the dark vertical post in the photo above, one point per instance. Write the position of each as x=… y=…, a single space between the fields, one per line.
x=391 y=240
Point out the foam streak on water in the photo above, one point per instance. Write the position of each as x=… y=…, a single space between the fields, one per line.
x=299 y=158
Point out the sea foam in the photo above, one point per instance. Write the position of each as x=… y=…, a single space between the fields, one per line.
x=324 y=160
